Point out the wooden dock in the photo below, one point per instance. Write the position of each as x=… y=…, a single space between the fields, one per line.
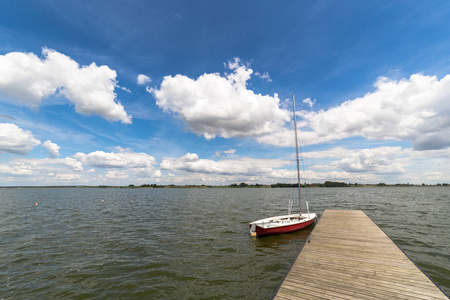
x=349 y=257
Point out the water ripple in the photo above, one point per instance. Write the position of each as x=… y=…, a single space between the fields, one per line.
x=189 y=243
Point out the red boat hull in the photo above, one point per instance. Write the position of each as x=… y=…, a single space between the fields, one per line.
x=283 y=229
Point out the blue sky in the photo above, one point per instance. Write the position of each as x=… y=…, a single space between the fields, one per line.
x=197 y=92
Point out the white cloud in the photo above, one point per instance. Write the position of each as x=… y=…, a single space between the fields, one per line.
x=15 y=169
x=415 y=109
x=123 y=158
x=214 y=105
x=27 y=80
x=336 y=152
x=70 y=162
x=383 y=164
x=130 y=164
x=231 y=151
x=14 y=139
x=191 y=169
x=132 y=175
x=285 y=138
x=265 y=76
x=122 y=168
x=143 y=79
x=67 y=177
x=309 y=102
x=426 y=154
x=240 y=166
x=381 y=160
x=124 y=89
x=434 y=176
x=102 y=159
x=41 y=167
x=52 y=148
x=115 y=174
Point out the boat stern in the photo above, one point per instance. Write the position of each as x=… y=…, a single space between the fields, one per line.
x=252 y=230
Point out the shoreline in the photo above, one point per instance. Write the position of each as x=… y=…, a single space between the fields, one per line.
x=233 y=186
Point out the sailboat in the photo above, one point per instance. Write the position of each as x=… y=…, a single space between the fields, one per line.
x=290 y=222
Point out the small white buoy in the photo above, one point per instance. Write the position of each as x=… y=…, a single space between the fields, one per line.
x=103 y=201
x=36 y=204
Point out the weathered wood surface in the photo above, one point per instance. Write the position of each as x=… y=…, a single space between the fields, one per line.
x=350 y=257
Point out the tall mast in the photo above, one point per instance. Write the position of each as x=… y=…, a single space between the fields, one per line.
x=298 y=161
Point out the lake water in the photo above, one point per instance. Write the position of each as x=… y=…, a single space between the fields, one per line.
x=189 y=243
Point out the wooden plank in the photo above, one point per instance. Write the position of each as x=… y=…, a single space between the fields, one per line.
x=350 y=257
x=379 y=286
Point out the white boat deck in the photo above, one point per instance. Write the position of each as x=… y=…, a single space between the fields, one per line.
x=282 y=220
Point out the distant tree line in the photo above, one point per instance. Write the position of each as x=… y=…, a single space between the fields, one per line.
x=241 y=185
x=246 y=185
x=325 y=184
x=277 y=185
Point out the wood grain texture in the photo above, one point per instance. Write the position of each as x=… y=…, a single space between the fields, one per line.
x=350 y=257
